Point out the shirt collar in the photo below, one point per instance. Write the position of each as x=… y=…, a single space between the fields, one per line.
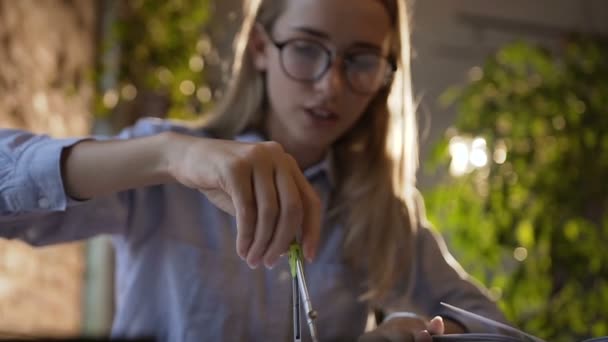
x=324 y=167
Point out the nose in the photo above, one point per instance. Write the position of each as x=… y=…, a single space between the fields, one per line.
x=332 y=83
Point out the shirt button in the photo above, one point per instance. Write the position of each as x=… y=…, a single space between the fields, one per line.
x=43 y=203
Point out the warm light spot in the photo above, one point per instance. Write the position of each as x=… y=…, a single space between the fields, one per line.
x=128 y=92
x=459 y=151
x=475 y=74
x=500 y=152
x=110 y=99
x=478 y=157
x=187 y=87
x=467 y=154
x=196 y=63
x=164 y=75
x=520 y=254
x=203 y=94
x=203 y=46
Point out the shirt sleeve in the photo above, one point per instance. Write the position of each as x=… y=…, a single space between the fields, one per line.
x=33 y=204
x=437 y=277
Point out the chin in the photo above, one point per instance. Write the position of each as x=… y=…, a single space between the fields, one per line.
x=313 y=139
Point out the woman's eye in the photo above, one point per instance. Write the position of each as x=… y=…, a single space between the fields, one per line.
x=364 y=62
x=307 y=50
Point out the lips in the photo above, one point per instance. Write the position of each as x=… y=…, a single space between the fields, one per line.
x=322 y=113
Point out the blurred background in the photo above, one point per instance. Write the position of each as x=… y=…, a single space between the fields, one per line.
x=512 y=99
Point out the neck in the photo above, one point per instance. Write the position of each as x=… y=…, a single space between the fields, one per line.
x=305 y=153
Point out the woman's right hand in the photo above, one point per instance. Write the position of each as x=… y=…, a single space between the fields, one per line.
x=260 y=184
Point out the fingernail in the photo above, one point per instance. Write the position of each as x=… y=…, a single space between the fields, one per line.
x=270 y=263
x=436 y=320
x=242 y=254
x=253 y=263
x=309 y=254
x=422 y=335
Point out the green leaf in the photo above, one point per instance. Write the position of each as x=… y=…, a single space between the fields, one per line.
x=525 y=233
x=549 y=109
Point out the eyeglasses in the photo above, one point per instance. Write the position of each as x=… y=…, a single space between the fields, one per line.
x=306 y=60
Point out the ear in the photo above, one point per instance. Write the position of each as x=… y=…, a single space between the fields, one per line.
x=258 y=43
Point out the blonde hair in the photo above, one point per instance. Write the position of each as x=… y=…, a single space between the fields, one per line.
x=375 y=162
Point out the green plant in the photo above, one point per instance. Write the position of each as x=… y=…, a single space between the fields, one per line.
x=155 y=50
x=534 y=227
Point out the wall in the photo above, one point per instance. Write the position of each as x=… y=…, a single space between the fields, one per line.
x=46 y=55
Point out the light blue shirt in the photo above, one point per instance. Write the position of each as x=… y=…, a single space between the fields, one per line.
x=178 y=277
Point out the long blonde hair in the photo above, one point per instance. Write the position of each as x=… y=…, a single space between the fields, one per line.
x=375 y=161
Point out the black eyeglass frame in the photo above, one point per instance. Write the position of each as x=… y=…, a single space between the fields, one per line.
x=390 y=71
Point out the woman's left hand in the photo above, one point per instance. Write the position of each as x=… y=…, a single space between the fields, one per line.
x=405 y=330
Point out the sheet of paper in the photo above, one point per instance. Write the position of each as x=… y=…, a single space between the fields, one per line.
x=500 y=327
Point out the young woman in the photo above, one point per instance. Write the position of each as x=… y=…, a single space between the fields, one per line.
x=305 y=145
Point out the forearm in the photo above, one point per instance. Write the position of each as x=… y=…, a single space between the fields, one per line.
x=95 y=168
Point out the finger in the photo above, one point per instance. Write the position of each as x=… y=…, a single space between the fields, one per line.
x=423 y=336
x=436 y=326
x=290 y=214
x=239 y=186
x=311 y=220
x=267 y=212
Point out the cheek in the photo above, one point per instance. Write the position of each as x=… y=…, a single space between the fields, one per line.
x=357 y=105
x=284 y=93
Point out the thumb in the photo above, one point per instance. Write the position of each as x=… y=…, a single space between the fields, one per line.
x=436 y=326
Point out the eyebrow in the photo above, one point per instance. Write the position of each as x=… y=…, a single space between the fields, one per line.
x=323 y=35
